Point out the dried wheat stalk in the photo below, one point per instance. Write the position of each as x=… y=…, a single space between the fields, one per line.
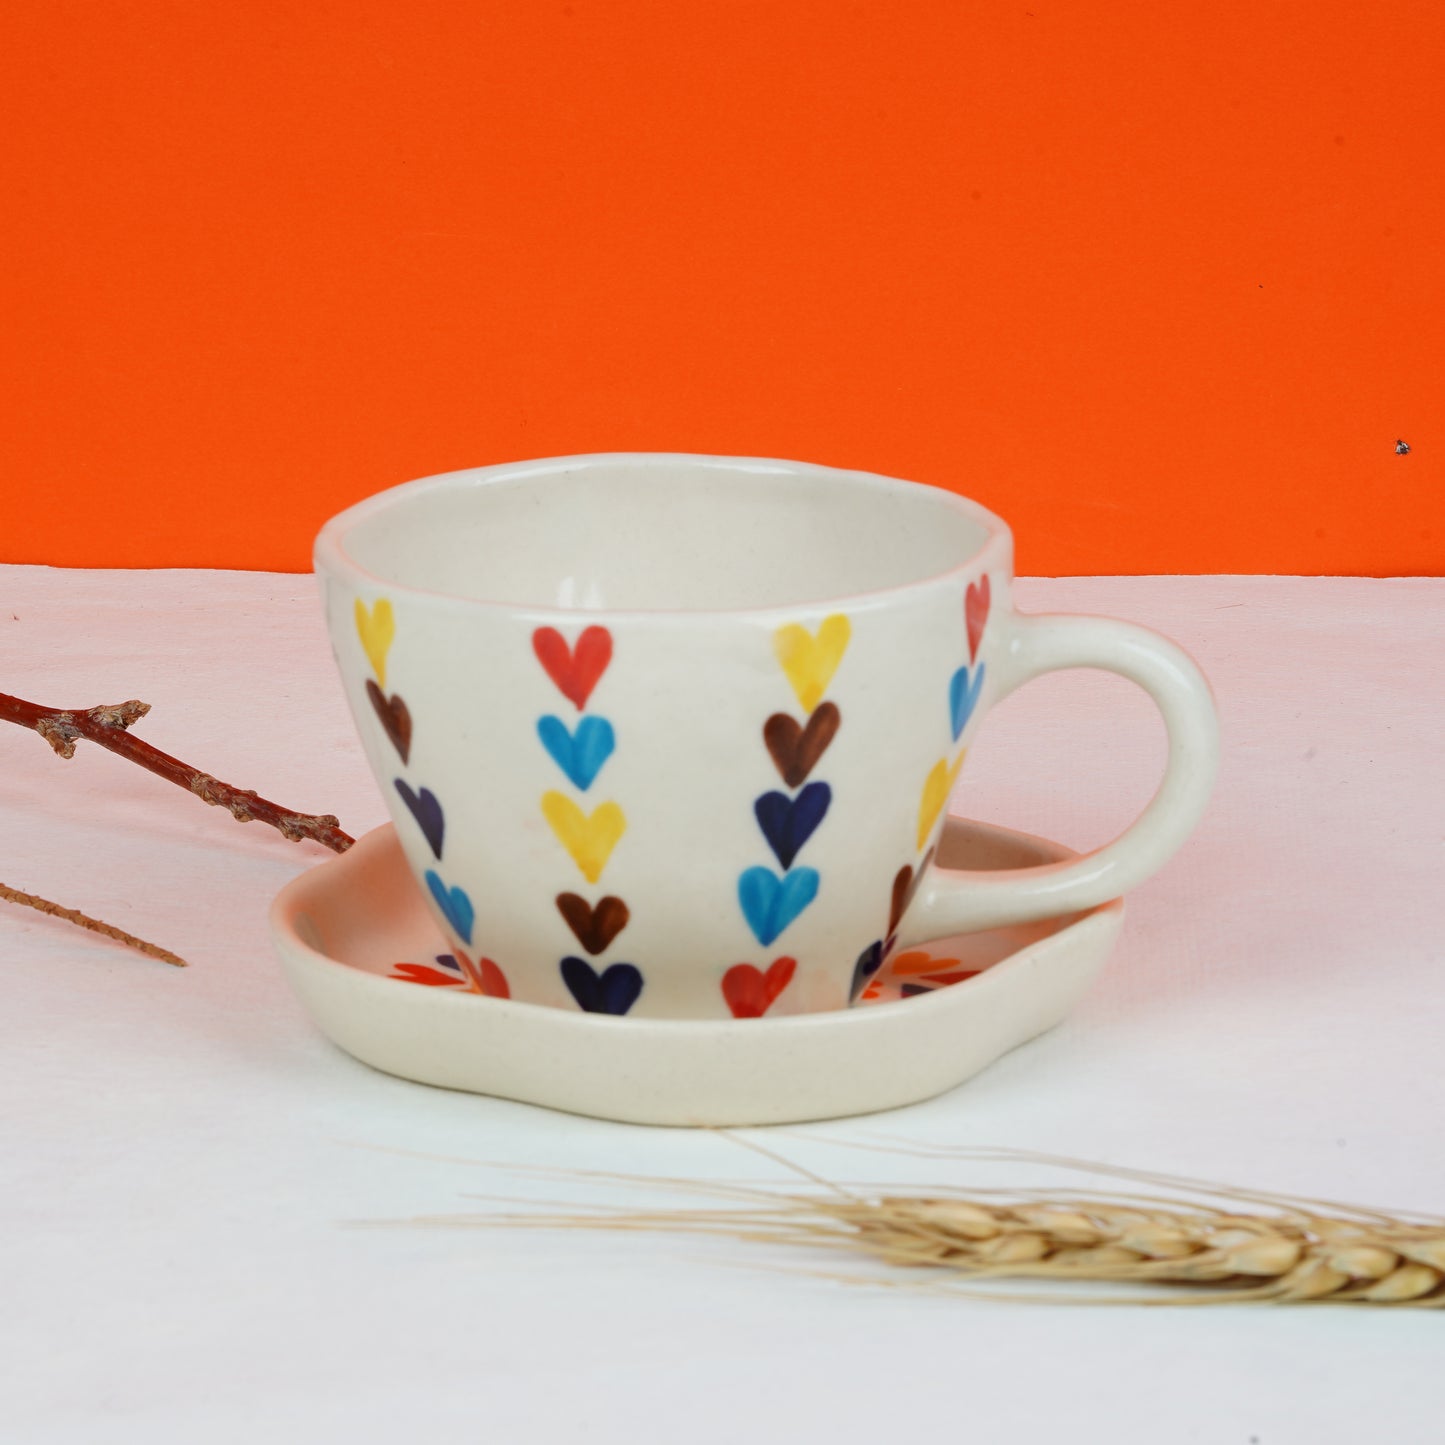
x=1289 y=1252
x=1285 y=1256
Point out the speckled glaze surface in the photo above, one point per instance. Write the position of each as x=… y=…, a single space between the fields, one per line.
x=673 y=737
x=379 y=977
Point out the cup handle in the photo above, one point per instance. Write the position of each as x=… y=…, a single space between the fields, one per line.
x=953 y=901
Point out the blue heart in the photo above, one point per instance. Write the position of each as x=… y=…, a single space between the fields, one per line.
x=613 y=991
x=788 y=823
x=427 y=812
x=869 y=962
x=579 y=755
x=770 y=903
x=963 y=694
x=456 y=907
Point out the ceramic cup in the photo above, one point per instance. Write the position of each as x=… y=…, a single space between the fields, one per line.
x=674 y=736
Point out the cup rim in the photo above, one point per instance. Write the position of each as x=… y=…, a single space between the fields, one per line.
x=331 y=557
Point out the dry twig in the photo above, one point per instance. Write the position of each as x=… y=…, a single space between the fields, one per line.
x=84 y=920
x=108 y=726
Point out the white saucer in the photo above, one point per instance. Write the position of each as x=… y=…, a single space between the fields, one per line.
x=345 y=929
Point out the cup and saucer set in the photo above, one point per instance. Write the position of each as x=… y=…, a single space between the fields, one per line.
x=668 y=743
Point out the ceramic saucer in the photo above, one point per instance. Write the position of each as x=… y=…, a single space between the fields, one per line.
x=363 y=954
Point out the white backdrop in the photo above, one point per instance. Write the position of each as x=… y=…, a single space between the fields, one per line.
x=181 y=1155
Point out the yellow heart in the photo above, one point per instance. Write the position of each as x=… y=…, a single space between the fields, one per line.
x=376 y=632
x=809 y=661
x=590 y=841
x=941 y=779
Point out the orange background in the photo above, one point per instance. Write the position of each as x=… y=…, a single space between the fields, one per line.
x=1162 y=282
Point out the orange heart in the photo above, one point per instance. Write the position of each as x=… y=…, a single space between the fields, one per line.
x=911 y=964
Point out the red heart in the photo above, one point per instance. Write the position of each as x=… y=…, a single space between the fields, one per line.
x=494 y=979
x=975 y=614
x=750 y=992
x=485 y=977
x=574 y=670
x=425 y=973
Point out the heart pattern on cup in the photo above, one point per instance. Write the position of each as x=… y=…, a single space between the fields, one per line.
x=580 y=753
x=771 y=903
x=491 y=978
x=964 y=689
x=975 y=613
x=613 y=991
x=394 y=716
x=481 y=976
x=920 y=973
x=428 y=814
x=588 y=838
x=750 y=993
x=788 y=823
x=936 y=790
x=595 y=926
x=376 y=629
x=869 y=962
x=809 y=660
x=902 y=892
x=575 y=670
x=456 y=907
x=796 y=749
x=916 y=962
x=425 y=974
x=905 y=885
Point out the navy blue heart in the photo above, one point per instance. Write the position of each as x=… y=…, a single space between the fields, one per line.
x=613 y=991
x=581 y=754
x=869 y=962
x=788 y=823
x=770 y=903
x=963 y=691
x=456 y=907
x=427 y=812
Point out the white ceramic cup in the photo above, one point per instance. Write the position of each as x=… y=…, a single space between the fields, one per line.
x=675 y=735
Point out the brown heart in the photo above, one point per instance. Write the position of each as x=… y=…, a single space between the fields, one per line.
x=595 y=927
x=395 y=717
x=796 y=749
x=905 y=885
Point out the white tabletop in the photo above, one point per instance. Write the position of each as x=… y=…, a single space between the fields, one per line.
x=181 y=1153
